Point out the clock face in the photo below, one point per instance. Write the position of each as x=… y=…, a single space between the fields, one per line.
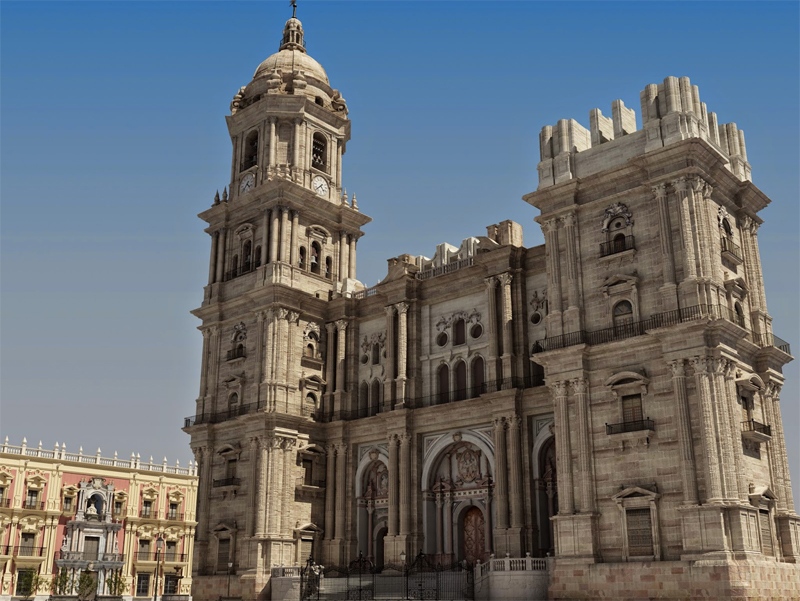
x=319 y=185
x=247 y=183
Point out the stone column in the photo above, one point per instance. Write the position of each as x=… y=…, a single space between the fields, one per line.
x=284 y=243
x=341 y=489
x=405 y=483
x=440 y=523
x=203 y=463
x=293 y=243
x=274 y=235
x=264 y=237
x=212 y=261
x=566 y=502
x=402 y=350
x=501 y=473
x=777 y=449
x=687 y=240
x=491 y=330
x=389 y=373
x=330 y=488
x=272 y=146
x=276 y=486
x=330 y=367
x=289 y=462
x=448 y=524
x=342 y=255
x=352 y=256
x=667 y=256
x=507 y=317
x=579 y=389
x=553 y=267
x=688 y=474
x=393 y=481
x=339 y=144
x=734 y=417
x=221 y=239
x=711 y=464
x=296 y=146
x=572 y=258
x=722 y=404
x=261 y=485
x=341 y=326
x=204 y=371
x=515 y=472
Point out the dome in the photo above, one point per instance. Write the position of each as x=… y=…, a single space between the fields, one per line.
x=288 y=61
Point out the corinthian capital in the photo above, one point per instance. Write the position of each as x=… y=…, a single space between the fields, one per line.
x=570 y=219
x=402 y=308
x=680 y=184
x=551 y=225
x=578 y=386
x=559 y=388
x=678 y=368
x=505 y=279
x=341 y=325
x=660 y=191
x=699 y=364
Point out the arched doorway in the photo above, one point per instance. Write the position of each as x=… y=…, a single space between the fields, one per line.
x=473 y=528
x=547 y=495
x=380 y=534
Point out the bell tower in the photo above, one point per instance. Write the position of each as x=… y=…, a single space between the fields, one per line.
x=283 y=245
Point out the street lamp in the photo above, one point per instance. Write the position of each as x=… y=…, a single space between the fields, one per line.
x=230 y=567
x=159 y=545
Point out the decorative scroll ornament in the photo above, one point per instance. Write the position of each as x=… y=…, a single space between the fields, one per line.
x=616 y=210
x=239 y=332
x=311 y=328
x=469 y=465
x=539 y=301
x=378 y=338
x=445 y=322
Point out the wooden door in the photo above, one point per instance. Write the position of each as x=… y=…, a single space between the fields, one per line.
x=474 y=535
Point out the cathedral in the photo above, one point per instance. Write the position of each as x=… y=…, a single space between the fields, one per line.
x=609 y=400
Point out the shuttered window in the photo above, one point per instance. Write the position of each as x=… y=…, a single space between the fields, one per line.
x=766 y=533
x=223 y=553
x=632 y=408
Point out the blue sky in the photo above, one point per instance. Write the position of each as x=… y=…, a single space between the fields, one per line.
x=112 y=139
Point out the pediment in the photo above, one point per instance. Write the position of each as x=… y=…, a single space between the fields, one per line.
x=634 y=492
x=620 y=279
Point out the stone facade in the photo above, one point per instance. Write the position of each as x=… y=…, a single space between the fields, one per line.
x=611 y=398
x=64 y=515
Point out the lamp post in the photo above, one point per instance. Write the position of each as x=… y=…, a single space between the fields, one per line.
x=405 y=573
x=159 y=544
x=230 y=567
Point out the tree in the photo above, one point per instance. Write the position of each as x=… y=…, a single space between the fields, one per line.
x=116 y=585
x=29 y=583
x=87 y=586
x=62 y=583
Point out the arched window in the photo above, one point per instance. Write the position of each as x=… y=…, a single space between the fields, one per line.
x=319 y=152
x=310 y=408
x=443 y=377
x=623 y=315
x=309 y=350
x=233 y=403
x=258 y=256
x=461 y=381
x=302 y=263
x=739 y=314
x=250 y=151
x=726 y=227
x=619 y=243
x=315 y=255
x=363 y=399
x=478 y=374
x=376 y=353
x=375 y=398
x=459 y=331
x=328 y=267
x=247 y=256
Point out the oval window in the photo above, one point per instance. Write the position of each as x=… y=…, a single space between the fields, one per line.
x=476 y=331
x=441 y=339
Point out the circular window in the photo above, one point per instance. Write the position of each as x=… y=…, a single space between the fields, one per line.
x=476 y=330
x=536 y=318
x=364 y=359
x=441 y=339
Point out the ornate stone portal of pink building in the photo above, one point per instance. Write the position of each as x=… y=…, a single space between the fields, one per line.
x=610 y=398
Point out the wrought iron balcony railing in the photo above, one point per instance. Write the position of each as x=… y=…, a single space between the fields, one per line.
x=243 y=269
x=33 y=505
x=632 y=426
x=226 y=482
x=731 y=248
x=89 y=556
x=167 y=556
x=752 y=425
x=221 y=416
x=617 y=245
x=28 y=551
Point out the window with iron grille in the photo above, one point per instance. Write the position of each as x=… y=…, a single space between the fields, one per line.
x=640 y=531
x=171 y=584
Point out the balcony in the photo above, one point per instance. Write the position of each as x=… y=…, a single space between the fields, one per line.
x=756 y=431
x=243 y=269
x=166 y=556
x=5 y=502
x=236 y=353
x=731 y=250
x=27 y=551
x=660 y=320
x=618 y=245
x=226 y=482
x=147 y=513
x=89 y=556
x=220 y=416
x=174 y=516
x=633 y=426
x=33 y=505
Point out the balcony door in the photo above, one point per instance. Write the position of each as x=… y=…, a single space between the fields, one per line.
x=91 y=547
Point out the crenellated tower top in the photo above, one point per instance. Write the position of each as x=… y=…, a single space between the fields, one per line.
x=671 y=111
